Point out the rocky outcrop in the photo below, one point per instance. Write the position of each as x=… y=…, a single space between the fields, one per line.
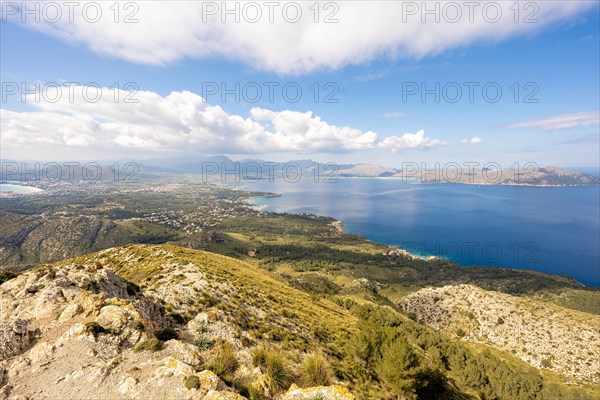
x=90 y=327
x=541 y=334
x=71 y=331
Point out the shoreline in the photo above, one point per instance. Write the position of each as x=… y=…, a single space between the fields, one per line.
x=28 y=190
x=417 y=181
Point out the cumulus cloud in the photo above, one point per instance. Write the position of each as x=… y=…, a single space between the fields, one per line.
x=410 y=141
x=178 y=122
x=473 y=140
x=166 y=32
x=560 y=122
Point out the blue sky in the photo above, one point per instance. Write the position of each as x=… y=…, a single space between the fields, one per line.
x=558 y=59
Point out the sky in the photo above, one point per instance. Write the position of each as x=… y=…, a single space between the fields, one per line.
x=382 y=82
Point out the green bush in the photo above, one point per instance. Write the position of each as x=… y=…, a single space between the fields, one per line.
x=192 y=382
x=95 y=328
x=316 y=371
x=149 y=345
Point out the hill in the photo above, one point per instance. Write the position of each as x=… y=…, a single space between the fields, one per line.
x=541 y=334
x=90 y=319
x=162 y=321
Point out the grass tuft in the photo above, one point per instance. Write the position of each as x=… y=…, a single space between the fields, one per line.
x=316 y=371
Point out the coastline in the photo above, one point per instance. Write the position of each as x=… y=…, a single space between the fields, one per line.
x=26 y=190
x=394 y=249
x=420 y=182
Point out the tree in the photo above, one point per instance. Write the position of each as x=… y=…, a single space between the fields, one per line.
x=400 y=367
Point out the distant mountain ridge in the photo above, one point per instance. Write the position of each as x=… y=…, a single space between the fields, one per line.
x=222 y=168
x=219 y=166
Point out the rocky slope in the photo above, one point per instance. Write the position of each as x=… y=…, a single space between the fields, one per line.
x=542 y=334
x=88 y=327
x=30 y=239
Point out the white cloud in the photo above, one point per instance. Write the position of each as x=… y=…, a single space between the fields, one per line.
x=179 y=122
x=410 y=141
x=558 y=122
x=395 y=114
x=175 y=30
x=473 y=140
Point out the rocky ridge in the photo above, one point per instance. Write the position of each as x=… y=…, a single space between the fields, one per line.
x=82 y=328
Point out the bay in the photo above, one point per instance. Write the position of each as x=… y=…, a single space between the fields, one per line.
x=548 y=229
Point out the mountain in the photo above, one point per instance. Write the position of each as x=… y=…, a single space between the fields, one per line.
x=160 y=321
x=220 y=168
x=547 y=176
x=141 y=320
x=367 y=170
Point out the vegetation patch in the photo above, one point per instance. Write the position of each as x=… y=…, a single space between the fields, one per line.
x=152 y=345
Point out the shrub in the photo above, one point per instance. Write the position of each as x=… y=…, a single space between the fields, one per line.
x=95 y=328
x=192 y=382
x=223 y=361
x=149 y=345
x=132 y=288
x=5 y=276
x=399 y=367
x=460 y=332
x=279 y=376
x=166 y=334
x=203 y=343
x=316 y=371
x=177 y=318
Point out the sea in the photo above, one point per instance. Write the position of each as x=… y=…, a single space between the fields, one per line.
x=547 y=229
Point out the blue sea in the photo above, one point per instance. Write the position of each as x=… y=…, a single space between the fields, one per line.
x=549 y=229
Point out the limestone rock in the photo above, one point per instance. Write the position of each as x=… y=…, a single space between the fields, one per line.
x=335 y=392
x=210 y=381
